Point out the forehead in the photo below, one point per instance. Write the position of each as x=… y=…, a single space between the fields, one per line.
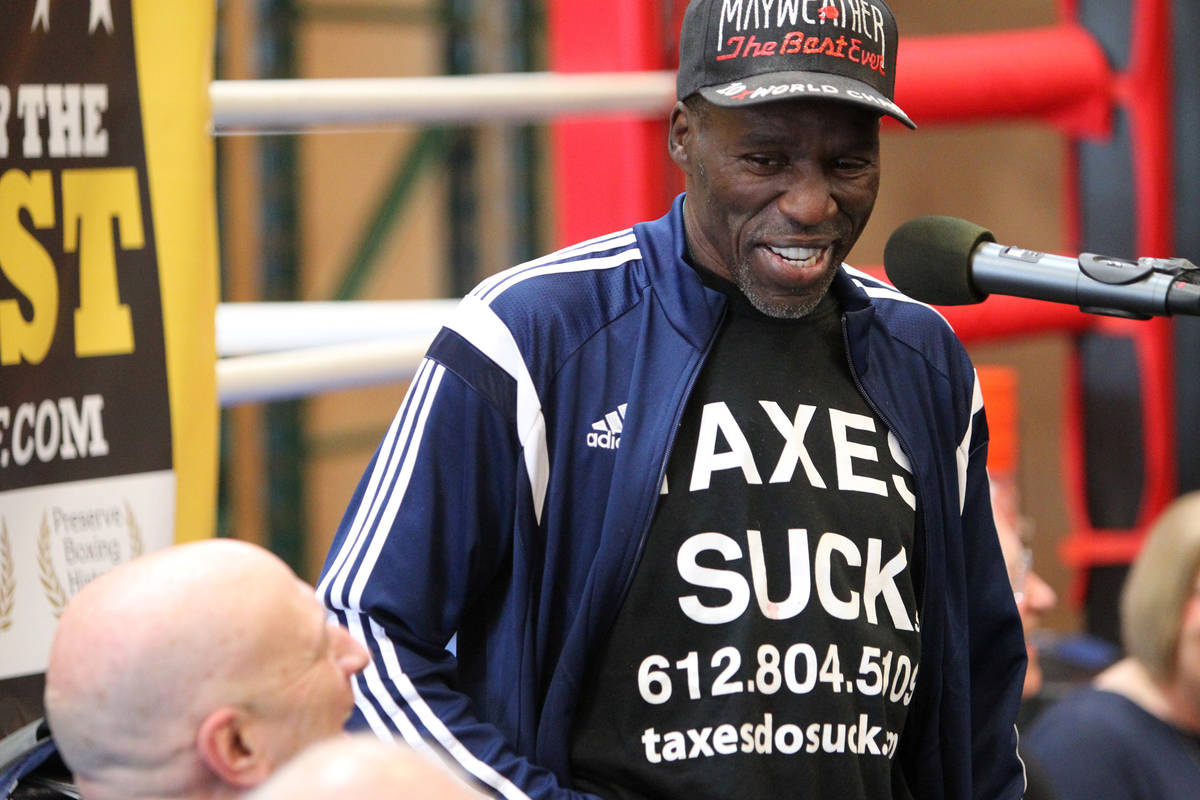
x=305 y=601
x=296 y=615
x=823 y=120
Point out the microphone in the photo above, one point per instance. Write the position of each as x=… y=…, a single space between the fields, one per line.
x=948 y=261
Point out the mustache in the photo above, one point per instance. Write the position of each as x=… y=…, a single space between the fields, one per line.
x=830 y=230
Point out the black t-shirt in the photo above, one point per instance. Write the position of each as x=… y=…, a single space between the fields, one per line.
x=768 y=643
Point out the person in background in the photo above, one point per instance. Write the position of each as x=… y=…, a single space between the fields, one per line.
x=1134 y=732
x=193 y=673
x=1034 y=597
x=363 y=767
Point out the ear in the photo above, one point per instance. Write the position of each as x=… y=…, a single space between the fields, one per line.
x=228 y=746
x=681 y=130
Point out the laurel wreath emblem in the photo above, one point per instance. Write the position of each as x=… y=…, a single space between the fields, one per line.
x=46 y=572
x=55 y=594
x=8 y=583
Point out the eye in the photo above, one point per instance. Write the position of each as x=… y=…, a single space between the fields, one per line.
x=851 y=165
x=765 y=162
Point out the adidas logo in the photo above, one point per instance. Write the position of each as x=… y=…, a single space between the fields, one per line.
x=606 y=433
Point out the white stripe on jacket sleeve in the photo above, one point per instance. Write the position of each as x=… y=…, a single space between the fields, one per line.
x=476 y=322
x=399 y=434
x=371 y=526
x=433 y=723
x=963 y=454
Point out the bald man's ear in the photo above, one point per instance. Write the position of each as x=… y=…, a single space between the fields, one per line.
x=228 y=746
x=682 y=127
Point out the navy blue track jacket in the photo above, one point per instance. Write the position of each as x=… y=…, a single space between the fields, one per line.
x=484 y=513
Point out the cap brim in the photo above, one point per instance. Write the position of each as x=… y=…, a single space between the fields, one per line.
x=774 y=86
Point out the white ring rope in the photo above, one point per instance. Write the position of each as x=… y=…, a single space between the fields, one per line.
x=299 y=373
x=276 y=351
x=283 y=106
x=255 y=328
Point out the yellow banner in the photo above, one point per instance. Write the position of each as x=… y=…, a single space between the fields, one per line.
x=108 y=290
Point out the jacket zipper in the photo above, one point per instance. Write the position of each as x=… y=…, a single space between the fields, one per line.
x=903 y=446
x=662 y=467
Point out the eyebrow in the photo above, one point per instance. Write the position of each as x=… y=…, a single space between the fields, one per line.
x=758 y=137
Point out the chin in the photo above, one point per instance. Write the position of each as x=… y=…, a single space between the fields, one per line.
x=784 y=302
x=784 y=306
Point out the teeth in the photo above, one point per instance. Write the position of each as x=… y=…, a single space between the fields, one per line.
x=797 y=253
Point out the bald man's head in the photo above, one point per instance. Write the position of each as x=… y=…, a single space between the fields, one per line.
x=202 y=665
x=364 y=768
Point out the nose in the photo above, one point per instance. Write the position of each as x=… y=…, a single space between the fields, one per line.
x=1039 y=597
x=808 y=198
x=351 y=654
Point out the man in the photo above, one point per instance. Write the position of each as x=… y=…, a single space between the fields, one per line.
x=706 y=510
x=364 y=768
x=194 y=672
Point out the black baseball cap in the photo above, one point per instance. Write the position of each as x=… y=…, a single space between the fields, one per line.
x=744 y=52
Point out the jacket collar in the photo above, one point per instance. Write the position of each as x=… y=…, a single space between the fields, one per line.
x=850 y=295
x=693 y=309
x=858 y=314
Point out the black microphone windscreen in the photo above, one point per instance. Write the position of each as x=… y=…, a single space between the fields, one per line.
x=929 y=258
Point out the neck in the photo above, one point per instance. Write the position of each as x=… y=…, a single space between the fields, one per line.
x=95 y=790
x=696 y=248
x=1171 y=701
x=1184 y=701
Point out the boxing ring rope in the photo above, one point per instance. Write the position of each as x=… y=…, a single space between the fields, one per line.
x=1056 y=75
x=300 y=105
x=275 y=351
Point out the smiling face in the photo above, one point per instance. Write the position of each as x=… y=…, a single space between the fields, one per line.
x=777 y=193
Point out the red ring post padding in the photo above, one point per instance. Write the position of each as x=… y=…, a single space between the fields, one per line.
x=608 y=171
x=1058 y=74
x=1144 y=91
